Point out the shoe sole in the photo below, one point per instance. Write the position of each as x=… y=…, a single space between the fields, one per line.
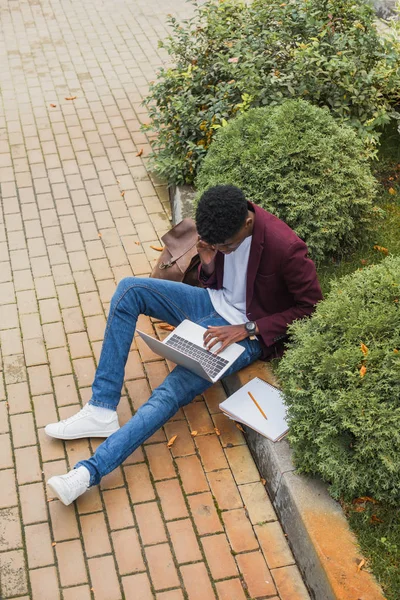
x=58 y=495
x=82 y=435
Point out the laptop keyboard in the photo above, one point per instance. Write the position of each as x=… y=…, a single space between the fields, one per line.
x=211 y=363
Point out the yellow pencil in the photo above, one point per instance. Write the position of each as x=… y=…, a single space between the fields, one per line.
x=258 y=406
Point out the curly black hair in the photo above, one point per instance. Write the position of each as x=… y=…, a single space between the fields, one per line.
x=220 y=213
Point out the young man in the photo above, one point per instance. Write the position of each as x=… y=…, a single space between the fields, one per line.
x=257 y=279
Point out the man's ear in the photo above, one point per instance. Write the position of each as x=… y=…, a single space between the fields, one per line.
x=249 y=221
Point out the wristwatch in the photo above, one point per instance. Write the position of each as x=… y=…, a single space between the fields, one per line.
x=251 y=327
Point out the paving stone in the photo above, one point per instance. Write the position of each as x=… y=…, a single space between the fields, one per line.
x=23 y=430
x=197 y=582
x=230 y=434
x=38 y=545
x=219 y=556
x=172 y=500
x=161 y=566
x=8 y=490
x=161 y=465
x=28 y=466
x=256 y=574
x=71 y=564
x=151 y=527
x=6 y=458
x=171 y=595
x=44 y=584
x=18 y=398
x=192 y=475
x=184 y=444
x=139 y=483
x=10 y=529
x=95 y=535
x=63 y=521
x=132 y=561
x=242 y=464
x=33 y=503
x=211 y=453
x=239 y=530
x=290 y=584
x=13 y=573
x=224 y=489
x=77 y=593
x=231 y=589
x=137 y=586
x=104 y=578
x=274 y=545
x=184 y=541
x=204 y=513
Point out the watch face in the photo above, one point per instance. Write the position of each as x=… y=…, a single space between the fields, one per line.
x=250 y=327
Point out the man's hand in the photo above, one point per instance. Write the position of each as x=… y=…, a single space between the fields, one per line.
x=226 y=334
x=207 y=254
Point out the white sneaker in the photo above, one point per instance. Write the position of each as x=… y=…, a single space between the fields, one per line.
x=88 y=422
x=69 y=487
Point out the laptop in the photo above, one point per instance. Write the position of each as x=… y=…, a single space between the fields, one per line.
x=184 y=346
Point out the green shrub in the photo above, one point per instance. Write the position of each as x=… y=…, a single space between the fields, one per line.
x=341 y=381
x=297 y=162
x=231 y=56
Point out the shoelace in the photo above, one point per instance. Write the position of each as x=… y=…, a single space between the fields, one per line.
x=73 y=479
x=85 y=410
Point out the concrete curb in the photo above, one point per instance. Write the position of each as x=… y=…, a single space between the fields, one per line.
x=325 y=549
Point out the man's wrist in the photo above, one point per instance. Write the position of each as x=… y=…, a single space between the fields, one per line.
x=251 y=329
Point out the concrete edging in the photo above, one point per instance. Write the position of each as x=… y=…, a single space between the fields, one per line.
x=325 y=549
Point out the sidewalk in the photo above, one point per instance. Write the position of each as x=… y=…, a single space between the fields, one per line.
x=79 y=212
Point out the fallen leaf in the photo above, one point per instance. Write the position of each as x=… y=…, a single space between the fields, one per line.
x=137 y=243
x=363 y=370
x=122 y=193
x=363 y=261
x=384 y=251
x=217 y=431
x=171 y=441
x=167 y=327
x=392 y=191
x=100 y=234
x=53 y=105
x=395 y=351
x=117 y=180
x=361 y=564
x=240 y=427
x=158 y=248
x=359 y=508
x=92 y=589
x=364 y=499
x=193 y=433
x=263 y=481
x=50 y=499
x=375 y=519
x=364 y=349
x=54 y=544
x=140 y=152
x=70 y=98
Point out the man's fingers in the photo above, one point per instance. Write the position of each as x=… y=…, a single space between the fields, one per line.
x=212 y=343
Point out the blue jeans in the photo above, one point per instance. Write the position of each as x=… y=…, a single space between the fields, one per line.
x=171 y=302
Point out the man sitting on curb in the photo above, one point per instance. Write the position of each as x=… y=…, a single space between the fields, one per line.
x=258 y=279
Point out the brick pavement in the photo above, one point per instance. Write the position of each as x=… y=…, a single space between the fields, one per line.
x=79 y=211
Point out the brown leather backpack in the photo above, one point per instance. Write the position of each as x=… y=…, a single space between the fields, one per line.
x=179 y=260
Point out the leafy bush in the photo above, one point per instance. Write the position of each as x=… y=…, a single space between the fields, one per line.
x=341 y=381
x=297 y=162
x=231 y=56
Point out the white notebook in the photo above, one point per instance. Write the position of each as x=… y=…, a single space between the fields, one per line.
x=241 y=407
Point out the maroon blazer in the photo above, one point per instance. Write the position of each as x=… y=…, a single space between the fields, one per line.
x=282 y=283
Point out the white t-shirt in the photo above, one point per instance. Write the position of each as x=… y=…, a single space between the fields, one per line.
x=230 y=301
